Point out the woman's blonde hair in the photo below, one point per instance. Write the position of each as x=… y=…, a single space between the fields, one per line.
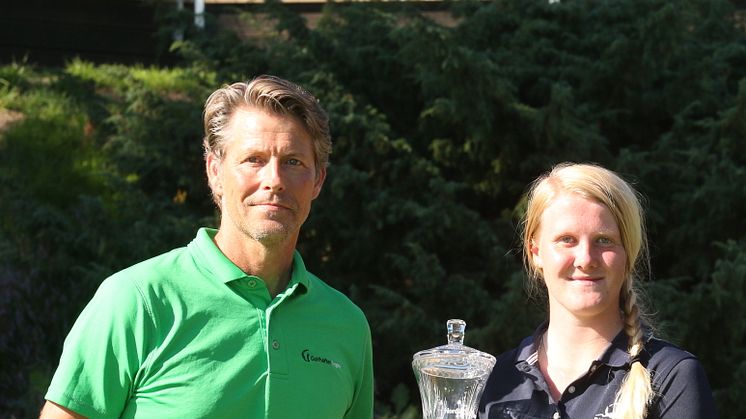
x=606 y=187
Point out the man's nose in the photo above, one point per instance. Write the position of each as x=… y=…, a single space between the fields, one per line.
x=271 y=176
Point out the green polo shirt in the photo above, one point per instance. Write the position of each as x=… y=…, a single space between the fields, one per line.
x=188 y=334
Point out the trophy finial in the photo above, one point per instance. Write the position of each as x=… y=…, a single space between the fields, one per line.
x=456 y=328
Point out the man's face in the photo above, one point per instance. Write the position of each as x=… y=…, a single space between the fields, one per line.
x=267 y=177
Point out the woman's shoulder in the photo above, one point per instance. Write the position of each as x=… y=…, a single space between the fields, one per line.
x=662 y=352
x=510 y=364
x=520 y=352
x=667 y=360
x=679 y=382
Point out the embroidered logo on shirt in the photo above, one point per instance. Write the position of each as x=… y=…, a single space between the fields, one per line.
x=608 y=413
x=309 y=357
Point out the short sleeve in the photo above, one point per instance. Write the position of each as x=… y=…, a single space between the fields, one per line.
x=362 y=404
x=684 y=392
x=103 y=351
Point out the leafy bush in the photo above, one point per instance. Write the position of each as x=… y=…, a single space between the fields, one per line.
x=437 y=131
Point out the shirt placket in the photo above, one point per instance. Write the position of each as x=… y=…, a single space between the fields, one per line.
x=277 y=352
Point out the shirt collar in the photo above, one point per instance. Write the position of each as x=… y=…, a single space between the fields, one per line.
x=210 y=259
x=299 y=274
x=615 y=355
x=527 y=349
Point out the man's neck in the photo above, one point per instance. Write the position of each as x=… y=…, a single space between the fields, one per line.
x=273 y=264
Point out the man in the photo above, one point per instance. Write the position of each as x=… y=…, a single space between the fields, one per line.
x=232 y=325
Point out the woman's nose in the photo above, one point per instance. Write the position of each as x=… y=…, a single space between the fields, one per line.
x=585 y=257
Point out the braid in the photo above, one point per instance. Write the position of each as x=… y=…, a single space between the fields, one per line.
x=632 y=326
x=636 y=391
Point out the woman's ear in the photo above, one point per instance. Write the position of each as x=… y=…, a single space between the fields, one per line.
x=535 y=254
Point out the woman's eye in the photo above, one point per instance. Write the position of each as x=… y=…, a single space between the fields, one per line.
x=605 y=240
x=566 y=239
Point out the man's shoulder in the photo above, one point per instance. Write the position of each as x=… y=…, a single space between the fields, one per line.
x=147 y=277
x=319 y=289
x=157 y=266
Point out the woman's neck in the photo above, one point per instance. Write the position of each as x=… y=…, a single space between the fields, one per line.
x=568 y=348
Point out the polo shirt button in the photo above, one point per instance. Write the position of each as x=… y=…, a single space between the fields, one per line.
x=275 y=344
x=571 y=389
x=252 y=283
x=594 y=368
x=556 y=415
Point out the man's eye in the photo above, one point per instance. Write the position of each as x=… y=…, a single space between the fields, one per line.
x=294 y=162
x=254 y=159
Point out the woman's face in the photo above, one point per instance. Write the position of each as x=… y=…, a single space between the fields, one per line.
x=578 y=249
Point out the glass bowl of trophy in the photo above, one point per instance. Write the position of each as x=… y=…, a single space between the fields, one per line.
x=451 y=377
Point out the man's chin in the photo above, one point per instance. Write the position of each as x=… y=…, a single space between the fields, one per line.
x=270 y=234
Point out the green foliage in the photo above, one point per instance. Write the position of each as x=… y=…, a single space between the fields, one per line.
x=437 y=131
x=71 y=214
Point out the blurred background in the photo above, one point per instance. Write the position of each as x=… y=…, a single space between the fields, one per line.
x=441 y=112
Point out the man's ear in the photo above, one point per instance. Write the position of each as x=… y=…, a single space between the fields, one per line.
x=320 y=178
x=212 y=167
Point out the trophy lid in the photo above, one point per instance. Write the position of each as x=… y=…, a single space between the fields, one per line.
x=454 y=359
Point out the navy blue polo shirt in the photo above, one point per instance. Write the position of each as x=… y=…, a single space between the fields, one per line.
x=516 y=387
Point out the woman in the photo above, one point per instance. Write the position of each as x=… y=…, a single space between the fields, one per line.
x=584 y=244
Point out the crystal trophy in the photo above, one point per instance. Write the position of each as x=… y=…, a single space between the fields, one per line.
x=452 y=377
